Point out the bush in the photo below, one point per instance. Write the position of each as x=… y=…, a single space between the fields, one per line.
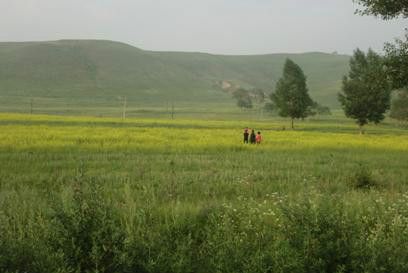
x=363 y=179
x=321 y=234
x=174 y=243
x=28 y=255
x=23 y=233
x=87 y=231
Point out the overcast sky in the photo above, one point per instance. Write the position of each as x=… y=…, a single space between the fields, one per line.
x=214 y=26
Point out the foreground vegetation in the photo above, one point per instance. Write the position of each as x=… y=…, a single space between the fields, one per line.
x=84 y=194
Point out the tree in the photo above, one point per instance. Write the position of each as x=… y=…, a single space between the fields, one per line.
x=366 y=90
x=323 y=110
x=243 y=98
x=317 y=109
x=399 y=107
x=291 y=96
x=396 y=54
x=396 y=62
x=386 y=9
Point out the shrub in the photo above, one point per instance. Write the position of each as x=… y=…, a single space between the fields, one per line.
x=363 y=179
x=88 y=231
x=27 y=255
x=23 y=232
x=321 y=233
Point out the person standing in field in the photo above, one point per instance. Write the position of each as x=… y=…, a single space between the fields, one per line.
x=246 y=135
x=258 y=138
x=252 y=137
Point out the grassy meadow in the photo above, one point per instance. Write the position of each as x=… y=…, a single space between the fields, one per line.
x=97 y=70
x=87 y=194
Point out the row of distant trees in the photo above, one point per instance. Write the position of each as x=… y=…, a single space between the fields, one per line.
x=290 y=99
x=366 y=90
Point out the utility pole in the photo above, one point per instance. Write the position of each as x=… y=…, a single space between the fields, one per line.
x=124 y=108
x=172 y=110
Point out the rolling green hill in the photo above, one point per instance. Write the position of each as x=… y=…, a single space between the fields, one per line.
x=105 y=69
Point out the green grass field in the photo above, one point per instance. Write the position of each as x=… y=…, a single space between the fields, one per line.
x=86 y=194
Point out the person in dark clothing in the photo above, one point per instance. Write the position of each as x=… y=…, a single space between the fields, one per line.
x=253 y=137
x=246 y=135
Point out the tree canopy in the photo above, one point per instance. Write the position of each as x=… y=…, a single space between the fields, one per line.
x=385 y=9
x=396 y=62
x=366 y=89
x=396 y=53
x=291 y=97
x=243 y=98
x=399 y=107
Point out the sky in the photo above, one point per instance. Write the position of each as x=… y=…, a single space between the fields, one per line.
x=212 y=26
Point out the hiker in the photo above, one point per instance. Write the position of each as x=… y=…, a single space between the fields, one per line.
x=246 y=135
x=253 y=137
x=258 y=138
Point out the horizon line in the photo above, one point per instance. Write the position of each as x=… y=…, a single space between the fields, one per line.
x=174 y=51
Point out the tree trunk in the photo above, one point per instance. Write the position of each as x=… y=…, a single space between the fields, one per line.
x=292 y=124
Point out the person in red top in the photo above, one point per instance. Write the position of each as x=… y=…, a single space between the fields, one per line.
x=258 y=138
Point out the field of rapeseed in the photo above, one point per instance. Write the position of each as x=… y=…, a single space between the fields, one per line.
x=82 y=194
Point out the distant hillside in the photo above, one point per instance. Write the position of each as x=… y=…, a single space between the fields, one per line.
x=91 y=68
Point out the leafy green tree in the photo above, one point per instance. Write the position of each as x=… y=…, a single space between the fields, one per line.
x=243 y=98
x=399 y=107
x=366 y=90
x=291 y=97
x=396 y=62
x=386 y=9
x=396 y=53
x=323 y=110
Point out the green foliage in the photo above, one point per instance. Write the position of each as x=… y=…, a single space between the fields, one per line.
x=317 y=109
x=363 y=178
x=291 y=96
x=24 y=230
x=322 y=234
x=323 y=110
x=87 y=231
x=399 y=106
x=396 y=54
x=269 y=107
x=396 y=62
x=80 y=194
x=385 y=8
x=27 y=255
x=243 y=98
x=329 y=235
x=366 y=90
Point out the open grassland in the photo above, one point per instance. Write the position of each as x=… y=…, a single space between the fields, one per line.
x=89 y=69
x=80 y=194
